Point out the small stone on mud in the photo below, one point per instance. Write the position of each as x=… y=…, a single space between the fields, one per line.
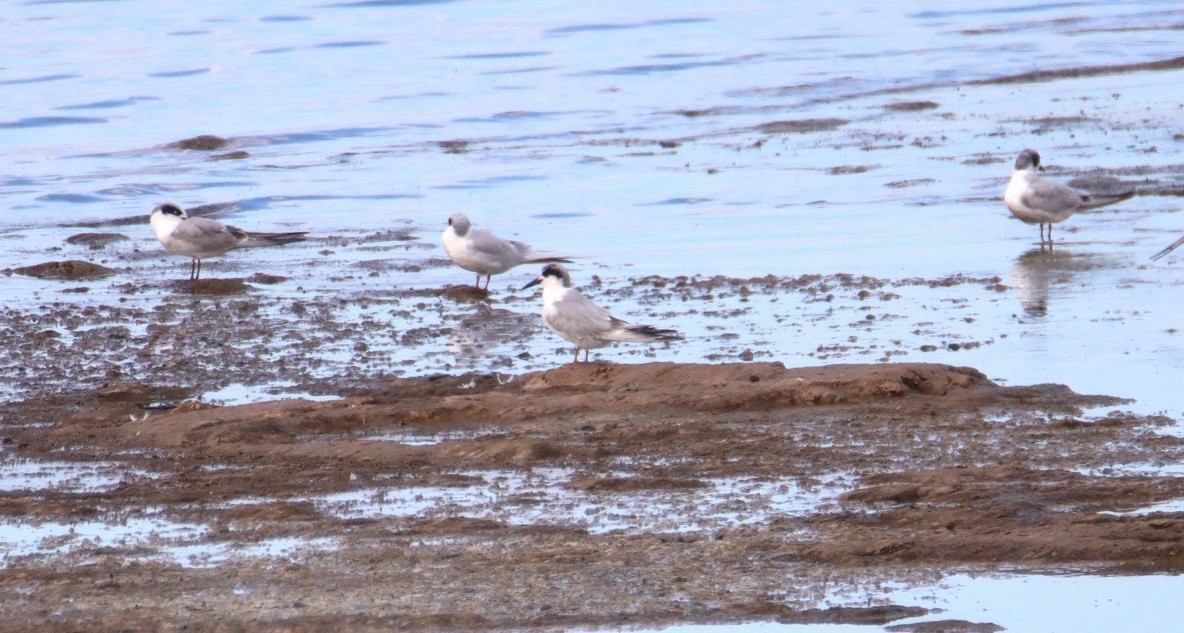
x=848 y=169
x=97 y=241
x=72 y=269
x=239 y=155
x=466 y=293
x=205 y=143
x=211 y=286
x=801 y=126
x=454 y=146
x=912 y=106
x=264 y=278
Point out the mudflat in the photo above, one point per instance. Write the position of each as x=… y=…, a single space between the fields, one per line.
x=592 y=495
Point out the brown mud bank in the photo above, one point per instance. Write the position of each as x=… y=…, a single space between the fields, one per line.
x=588 y=495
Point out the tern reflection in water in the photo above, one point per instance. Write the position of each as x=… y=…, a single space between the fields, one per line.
x=1037 y=271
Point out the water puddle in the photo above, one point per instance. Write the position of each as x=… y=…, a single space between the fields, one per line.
x=1084 y=604
x=54 y=538
x=214 y=554
x=546 y=497
x=413 y=437
x=1018 y=604
x=143 y=538
x=242 y=394
x=33 y=476
x=1172 y=506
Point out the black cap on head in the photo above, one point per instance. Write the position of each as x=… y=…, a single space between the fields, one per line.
x=169 y=208
x=558 y=272
x=552 y=270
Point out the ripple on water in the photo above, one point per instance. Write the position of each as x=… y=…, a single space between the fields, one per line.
x=107 y=104
x=72 y=198
x=50 y=121
x=285 y=18
x=350 y=44
x=623 y=26
x=505 y=55
x=363 y=4
x=36 y=80
x=168 y=74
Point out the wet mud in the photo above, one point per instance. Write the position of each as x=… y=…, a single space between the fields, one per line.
x=219 y=332
x=928 y=469
x=1036 y=76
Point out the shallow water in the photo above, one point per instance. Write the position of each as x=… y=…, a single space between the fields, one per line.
x=1020 y=604
x=547 y=126
x=646 y=139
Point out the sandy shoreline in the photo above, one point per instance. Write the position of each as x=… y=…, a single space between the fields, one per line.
x=605 y=485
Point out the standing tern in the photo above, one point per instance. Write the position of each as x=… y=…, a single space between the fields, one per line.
x=583 y=323
x=1036 y=200
x=484 y=253
x=199 y=238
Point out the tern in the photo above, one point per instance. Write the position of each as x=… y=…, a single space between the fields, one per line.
x=199 y=238
x=581 y=322
x=482 y=252
x=1036 y=200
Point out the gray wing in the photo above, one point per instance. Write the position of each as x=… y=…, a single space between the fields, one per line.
x=203 y=237
x=576 y=316
x=505 y=252
x=528 y=254
x=1051 y=196
x=523 y=249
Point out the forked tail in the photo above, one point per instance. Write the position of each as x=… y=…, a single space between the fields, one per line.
x=275 y=239
x=546 y=258
x=644 y=333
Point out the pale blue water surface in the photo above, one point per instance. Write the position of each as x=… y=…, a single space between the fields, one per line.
x=348 y=111
x=628 y=134
x=1018 y=604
